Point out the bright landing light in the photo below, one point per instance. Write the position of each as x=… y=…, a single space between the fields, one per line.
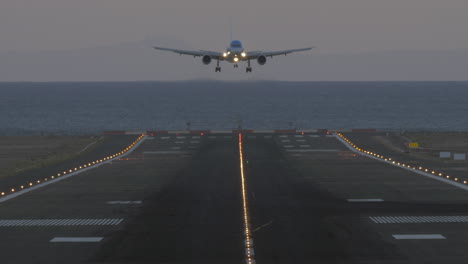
x=236 y=59
x=224 y=54
x=243 y=54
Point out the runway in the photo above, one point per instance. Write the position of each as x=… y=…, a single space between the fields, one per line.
x=177 y=198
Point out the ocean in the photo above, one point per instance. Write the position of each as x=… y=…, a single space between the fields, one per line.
x=89 y=108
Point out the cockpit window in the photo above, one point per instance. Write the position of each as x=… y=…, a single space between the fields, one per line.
x=236 y=44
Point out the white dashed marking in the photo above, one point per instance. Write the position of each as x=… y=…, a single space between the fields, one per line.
x=365 y=200
x=124 y=202
x=304 y=146
x=175 y=148
x=313 y=150
x=288 y=146
x=419 y=236
x=165 y=137
x=194 y=142
x=76 y=239
x=165 y=152
x=179 y=142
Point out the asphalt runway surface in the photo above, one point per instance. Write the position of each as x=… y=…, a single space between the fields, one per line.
x=177 y=199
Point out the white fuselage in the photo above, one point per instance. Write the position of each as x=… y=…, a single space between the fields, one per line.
x=235 y=52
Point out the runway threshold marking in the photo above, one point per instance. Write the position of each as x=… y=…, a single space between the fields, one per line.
x=76 y=239
x=249 y=250
x=419 y=236
x=419 y=219
x=60 y=222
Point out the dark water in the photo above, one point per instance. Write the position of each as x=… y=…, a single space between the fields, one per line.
x=77 y=108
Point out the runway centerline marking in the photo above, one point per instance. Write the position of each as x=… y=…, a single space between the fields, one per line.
x=419 y=236
x=249 y=250
x=76 y=239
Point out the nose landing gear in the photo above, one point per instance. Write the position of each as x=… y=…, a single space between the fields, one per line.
x=217 y=69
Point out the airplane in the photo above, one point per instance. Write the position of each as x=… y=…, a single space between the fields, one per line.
x=233 y=54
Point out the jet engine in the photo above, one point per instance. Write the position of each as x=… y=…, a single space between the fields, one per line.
x=206 y=59
x=261 y=60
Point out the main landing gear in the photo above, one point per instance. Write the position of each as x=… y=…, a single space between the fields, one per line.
x=236 y=66
x=248 y=69
x=217 y=69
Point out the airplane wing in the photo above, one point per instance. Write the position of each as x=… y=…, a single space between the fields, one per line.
x=212 y=54
x=256 y=54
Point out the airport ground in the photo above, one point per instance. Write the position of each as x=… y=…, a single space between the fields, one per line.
x=177 y=199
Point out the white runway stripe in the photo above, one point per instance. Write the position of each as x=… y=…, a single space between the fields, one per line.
x=419 y=236
x=124 y=202
x=365 y=200
x=76 y=239
x=59 y=222
x=418 y=219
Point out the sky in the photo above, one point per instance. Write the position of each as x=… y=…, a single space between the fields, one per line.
x=374 y=37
